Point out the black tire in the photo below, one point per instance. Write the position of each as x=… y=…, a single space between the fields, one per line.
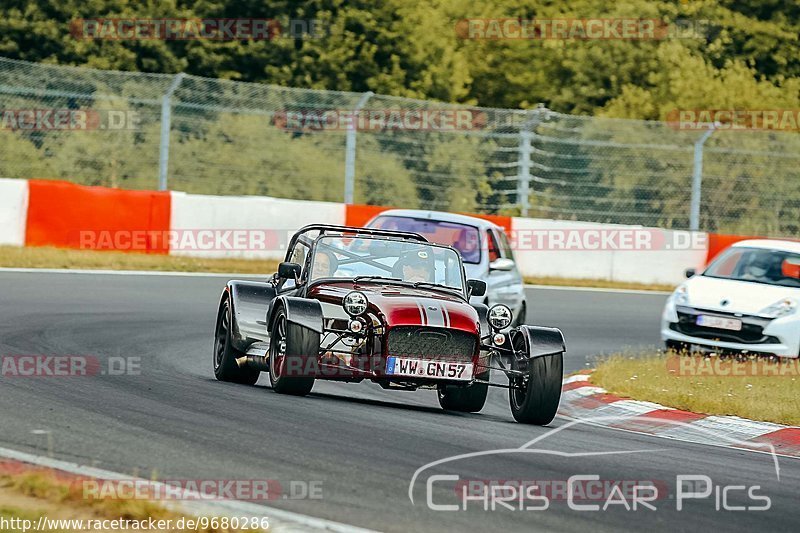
x=288 y=344
x=535 y=400
x=224 y=356
x=469 y=399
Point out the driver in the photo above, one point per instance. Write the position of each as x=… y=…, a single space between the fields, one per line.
x=415 y=266
x=761 y=268
x=325 y=264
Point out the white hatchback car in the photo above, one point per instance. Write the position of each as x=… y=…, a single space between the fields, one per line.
x=745 y=301
x=483 y=245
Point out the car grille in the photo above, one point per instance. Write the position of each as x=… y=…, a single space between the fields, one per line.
x=752 y=328
x=432 y=343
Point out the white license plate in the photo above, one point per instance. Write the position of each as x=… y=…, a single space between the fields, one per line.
x=400 y=366
x=719 y=322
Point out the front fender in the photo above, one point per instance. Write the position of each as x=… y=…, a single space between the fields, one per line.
x=483 y=313
x=301 y=311
x=538 y=341
x=249 y=301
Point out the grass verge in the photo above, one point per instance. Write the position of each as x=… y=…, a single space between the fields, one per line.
x=19 y=257
x=599 y=284
x=31 y=495
x=45 y=257
x=710 y=385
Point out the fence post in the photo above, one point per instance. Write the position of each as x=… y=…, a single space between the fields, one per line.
x=166 y=126
x=697 y=179
x=524 y=172
x=350 y=150
x=524 y=157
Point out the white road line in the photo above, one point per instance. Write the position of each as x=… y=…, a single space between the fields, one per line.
x=280 y=520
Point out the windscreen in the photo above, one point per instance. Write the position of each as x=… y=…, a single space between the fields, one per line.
x=463 y=237
x=404 y=261
x=772 y=267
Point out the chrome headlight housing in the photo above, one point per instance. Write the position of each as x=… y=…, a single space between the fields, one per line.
x=785 y=306
x=499 y=317
x=355 y=303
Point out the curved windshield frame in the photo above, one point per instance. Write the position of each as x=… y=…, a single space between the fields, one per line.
x=389 y=260
x=757 y=265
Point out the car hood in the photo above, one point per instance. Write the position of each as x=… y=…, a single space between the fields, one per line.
x=741 y=296
x=402 y=306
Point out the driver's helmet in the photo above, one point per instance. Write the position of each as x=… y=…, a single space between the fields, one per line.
x=418 y=258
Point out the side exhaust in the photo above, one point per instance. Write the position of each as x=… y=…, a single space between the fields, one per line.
x=255 y=362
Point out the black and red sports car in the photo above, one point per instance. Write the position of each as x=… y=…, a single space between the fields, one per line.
x=349 y=304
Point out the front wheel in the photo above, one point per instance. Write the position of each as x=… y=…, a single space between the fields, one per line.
x=291 y=348
x=534 y=397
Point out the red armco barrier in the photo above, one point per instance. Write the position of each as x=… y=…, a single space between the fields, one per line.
x=66 y=215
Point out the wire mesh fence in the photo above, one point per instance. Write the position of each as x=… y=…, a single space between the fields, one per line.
x=140 y=131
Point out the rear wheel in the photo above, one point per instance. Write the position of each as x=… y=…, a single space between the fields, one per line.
x=225 y=366
x=291 y=347
x=469 y=399
x=534 y=397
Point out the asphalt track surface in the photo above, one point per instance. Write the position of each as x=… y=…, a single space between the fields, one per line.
x=362 y=444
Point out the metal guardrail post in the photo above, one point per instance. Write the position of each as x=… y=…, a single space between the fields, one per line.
x=524 y=157
x=166 y=126
x=697 y=179
x=350 y=150
x=524 y=172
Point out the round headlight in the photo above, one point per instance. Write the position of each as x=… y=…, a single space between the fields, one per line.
x=355 y=303
x=499 y=316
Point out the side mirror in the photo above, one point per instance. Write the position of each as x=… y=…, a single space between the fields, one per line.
x=476 y=287
x=504 y=264
x=289 y=270
x=690 y=272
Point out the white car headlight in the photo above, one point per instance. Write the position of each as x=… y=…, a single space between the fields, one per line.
x=355 y=303
x=499 y=316
x=681 y=295
x=784 y=307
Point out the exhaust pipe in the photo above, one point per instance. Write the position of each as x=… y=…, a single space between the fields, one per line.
x=256 y=362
